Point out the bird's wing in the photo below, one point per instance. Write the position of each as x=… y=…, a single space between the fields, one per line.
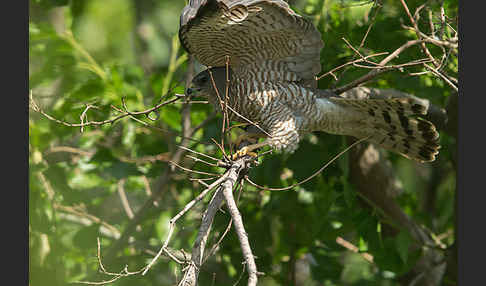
x=257 y=36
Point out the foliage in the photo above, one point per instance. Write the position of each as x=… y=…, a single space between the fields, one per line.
x=96 y=53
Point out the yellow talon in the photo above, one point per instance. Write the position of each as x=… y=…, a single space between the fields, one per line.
x=243 y=152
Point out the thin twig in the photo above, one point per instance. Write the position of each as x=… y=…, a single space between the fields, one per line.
x=331 y=72
x=216 y=245
x=224 y=106
x=373 y=20
x=311 y=176
x=161 y=129
x=417 y=31
x=36 y=108
x=377 y=71
x=202 y=161
x=348 y=245
x=439 y=74
x=181 y=213
x=116 y=276
x=198 y=153
x=193 y=171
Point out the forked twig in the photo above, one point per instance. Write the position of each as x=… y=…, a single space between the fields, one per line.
x=116 y=276
x=180 y=214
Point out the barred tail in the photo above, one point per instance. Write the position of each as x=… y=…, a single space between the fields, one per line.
x=394 y=125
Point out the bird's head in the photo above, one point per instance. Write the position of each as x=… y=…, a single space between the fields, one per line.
x=202 y=84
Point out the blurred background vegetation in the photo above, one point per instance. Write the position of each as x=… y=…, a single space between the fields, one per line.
x=88 y=52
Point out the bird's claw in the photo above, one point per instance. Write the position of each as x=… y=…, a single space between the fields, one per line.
x=243 y=152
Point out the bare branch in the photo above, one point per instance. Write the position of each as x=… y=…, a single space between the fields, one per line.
x=191 y=273
x=417 y=31
x=227 y=187
x=331 y=72
x=36 y=108
x=440 y=75
x=376 y=71
x=116 y=276
x=373 y=20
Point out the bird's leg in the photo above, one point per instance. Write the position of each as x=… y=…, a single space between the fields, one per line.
x=248 y=150
x=250 y=139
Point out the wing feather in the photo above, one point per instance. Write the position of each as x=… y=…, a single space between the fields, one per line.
x=255 y=34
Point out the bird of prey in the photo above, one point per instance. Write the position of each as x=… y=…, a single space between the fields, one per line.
x=262 y=61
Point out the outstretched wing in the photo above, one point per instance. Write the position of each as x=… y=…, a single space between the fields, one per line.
x=257 y=36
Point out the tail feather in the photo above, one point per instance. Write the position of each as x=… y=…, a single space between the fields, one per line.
x=394 y=125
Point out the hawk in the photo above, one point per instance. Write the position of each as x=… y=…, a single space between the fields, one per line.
x=262 y=59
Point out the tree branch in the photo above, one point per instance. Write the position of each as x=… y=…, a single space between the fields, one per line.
x=227 y=186
x=192 y=271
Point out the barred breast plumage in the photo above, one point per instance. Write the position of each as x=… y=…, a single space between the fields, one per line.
x=272 y=55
